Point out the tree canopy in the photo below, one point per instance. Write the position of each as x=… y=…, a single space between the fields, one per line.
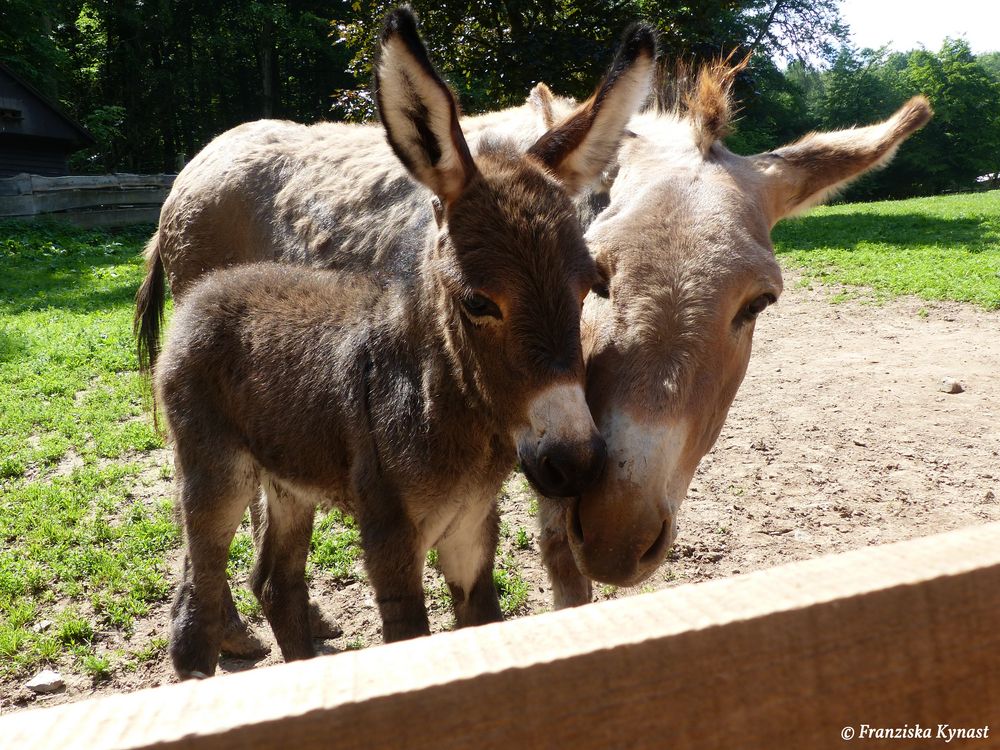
x=155 y=80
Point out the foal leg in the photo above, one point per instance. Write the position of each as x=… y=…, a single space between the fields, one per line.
x=570 y=588
x=212 y=502
x=279 y=575
x=466 y=552
x=238 y=637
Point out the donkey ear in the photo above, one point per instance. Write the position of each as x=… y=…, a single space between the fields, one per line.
x=419 y=111
x=806 y=172
x=542 y=100
x=580 y=148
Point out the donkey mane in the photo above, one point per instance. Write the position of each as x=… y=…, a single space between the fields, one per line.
x=701 y=95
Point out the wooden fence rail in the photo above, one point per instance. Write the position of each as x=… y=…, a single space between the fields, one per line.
x=834 y=652
x=92 y=200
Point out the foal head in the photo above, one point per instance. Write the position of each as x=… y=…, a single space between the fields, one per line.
x=507 y=270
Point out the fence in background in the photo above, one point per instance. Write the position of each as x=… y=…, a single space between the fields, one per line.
x=88 y=201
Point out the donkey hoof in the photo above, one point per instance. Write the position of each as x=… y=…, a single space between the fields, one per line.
x=243 y=643
x=321 y=624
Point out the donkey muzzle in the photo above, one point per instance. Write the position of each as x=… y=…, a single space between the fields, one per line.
x=561 y=451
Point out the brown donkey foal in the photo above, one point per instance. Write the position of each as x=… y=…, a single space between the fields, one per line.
x=404 y=400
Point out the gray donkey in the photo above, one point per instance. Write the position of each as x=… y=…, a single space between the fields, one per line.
x=403 y=400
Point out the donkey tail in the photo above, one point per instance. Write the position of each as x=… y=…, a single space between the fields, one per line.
x=149 y=303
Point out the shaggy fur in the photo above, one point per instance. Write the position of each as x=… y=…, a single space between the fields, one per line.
x=398 y=393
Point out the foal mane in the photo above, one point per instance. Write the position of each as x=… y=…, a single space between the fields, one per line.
x=701 y=95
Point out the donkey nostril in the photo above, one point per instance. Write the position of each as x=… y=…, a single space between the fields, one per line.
x=553 y=475
x=657 y=548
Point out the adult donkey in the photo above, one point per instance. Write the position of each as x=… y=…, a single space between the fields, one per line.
x=335 y=196
x=685 y=244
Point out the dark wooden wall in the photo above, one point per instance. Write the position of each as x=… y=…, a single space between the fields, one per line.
x=35 y=136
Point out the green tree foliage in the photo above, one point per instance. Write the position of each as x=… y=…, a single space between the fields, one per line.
x=959 y=145
x=155 y=80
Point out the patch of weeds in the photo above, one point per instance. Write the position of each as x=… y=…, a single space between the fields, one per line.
x=69 y=386
x=241 y=554
x=152 y=651
x=355 y=644
x=522 y=539
x=72 y=629
x=246 y=603
x=433 y=558
x=608 y=591
x=511 y=586
x=96 y=667
x=336 y=545
x=438 y=595
x=533 y=506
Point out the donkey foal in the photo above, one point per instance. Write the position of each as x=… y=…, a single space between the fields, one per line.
x=404 y=402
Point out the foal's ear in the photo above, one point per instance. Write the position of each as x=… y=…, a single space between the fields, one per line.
x=580 y=148
x=804 y=173
x=418 y=110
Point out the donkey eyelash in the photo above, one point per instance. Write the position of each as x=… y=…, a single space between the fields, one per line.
x=755 y=307
x=480 y=306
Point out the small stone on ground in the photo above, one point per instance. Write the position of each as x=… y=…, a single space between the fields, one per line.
x=950 y=385
x=45 y=681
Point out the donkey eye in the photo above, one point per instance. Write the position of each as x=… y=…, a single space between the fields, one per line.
x=601 y=289
x=756 y=306
x=479 y=306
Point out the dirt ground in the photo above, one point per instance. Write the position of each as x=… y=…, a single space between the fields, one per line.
x=839 y=438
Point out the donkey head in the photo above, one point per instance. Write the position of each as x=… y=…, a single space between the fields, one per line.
x=685 y=244
x=508 y=269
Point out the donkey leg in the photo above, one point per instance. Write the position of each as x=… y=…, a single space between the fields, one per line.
x=570 y=588
x=395 y=567
x=212 y=505
x=239 y=639
x=466 y=552
x=279 y=575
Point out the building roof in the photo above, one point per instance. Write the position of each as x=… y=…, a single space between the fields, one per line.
x=26 y=111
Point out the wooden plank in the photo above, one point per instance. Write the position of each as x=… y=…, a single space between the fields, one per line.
x=17 y=185
x=17 y=205
x=68 y=200
x=34 y=195
x=113 y=217
x=904 y=637
x=40 y=183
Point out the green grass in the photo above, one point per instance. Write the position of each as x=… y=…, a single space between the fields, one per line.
x=942 y=248
x=81 y=546
x=76 y=547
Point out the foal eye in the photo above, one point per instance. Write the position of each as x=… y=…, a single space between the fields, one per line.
x=601 y=289
x=756 y=306
x=479 y=306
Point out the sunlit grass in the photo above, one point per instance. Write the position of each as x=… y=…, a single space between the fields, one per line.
x=941 y=248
